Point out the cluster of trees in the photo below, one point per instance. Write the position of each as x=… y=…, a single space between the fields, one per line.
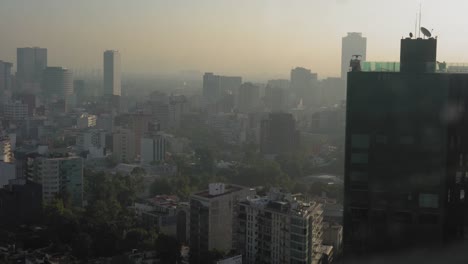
x=253 y=169
x=107 y=226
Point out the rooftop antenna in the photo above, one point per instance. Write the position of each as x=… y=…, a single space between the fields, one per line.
x=419 y=35
x=416 y=25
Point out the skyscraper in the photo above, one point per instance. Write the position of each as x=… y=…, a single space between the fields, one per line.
x=112 y=73
x=31 y=63
x=57 y=83
x=353 y=44
x=405 y=158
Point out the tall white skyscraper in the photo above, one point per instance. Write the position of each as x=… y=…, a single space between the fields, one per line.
x=353 y=44
x=112 y=73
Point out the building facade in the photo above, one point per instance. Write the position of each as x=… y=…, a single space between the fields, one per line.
x=57 y=83
x=112 y=73
x=213 y=215
x=278 y=134
x=153 y=148
x=123 y=147
x=15 y=110
x=279 y=228
x=405 y=158
x=60 y=177
x=30 y=64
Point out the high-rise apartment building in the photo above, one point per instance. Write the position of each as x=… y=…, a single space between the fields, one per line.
x=406 y=155
x=278 y=134
x=353 y=44
x=112 y=73
x=57 y=83
x=279 y=228
x=60 y=176
x=30 y=64
x=213 y=215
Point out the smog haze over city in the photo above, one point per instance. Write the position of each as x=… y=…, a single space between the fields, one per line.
x=257 y=39
x=230 y=132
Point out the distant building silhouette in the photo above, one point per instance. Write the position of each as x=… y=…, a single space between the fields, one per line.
x=30 y=64
x=249 y=98
x=405 y=159
x=5 y=81
x=278 y=134
x=353 y=44
x=277 y=95
x=219 y=91
x=57 y=83
x=304 y=85
x=112 y=73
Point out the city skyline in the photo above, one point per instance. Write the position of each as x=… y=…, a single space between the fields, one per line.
x=262 y=40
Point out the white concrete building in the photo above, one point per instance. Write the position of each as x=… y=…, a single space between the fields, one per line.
x=279 y=228
x=212 y=218
x=60 y=176
x=153 y=149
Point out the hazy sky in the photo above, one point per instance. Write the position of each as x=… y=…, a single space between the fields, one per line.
x=243 y=37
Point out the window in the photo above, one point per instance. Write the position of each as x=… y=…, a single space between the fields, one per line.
x=360 y=141
x=427 y=200
x=359 y=158
x=359 y=176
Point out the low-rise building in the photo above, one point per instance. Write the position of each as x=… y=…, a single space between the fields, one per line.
x=167 y=214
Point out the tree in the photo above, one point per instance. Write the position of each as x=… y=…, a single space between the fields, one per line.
x=82 y=246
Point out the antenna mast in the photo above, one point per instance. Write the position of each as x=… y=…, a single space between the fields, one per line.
x=419 y=34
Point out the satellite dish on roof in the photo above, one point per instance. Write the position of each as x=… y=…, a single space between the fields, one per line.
x=426 y=32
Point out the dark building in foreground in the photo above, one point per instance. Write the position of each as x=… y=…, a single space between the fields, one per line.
x=20 y=203
x=406 y=155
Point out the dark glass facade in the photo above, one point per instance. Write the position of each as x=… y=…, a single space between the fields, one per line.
x=406 y=159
